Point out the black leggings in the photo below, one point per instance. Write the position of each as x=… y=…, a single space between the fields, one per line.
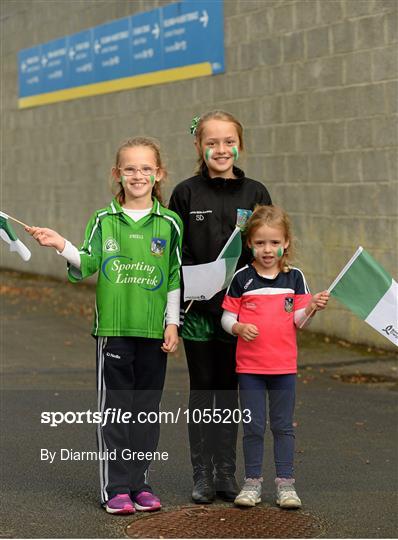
x=130 y=377
x=211 y=365
x=213 y=385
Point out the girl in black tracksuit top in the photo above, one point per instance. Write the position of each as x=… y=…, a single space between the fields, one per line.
x=210 y=205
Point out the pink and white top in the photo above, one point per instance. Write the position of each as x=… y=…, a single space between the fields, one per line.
x=275 y=306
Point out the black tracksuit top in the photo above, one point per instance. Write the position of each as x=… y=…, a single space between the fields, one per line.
x=208 y=208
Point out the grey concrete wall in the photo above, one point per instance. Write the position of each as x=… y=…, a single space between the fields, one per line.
x=313 y=81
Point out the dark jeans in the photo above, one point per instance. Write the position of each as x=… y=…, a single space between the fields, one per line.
x=281 y=391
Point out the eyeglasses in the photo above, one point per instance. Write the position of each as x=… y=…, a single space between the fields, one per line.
x=133 y=171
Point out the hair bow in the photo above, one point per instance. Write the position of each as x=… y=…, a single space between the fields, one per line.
x=194 y=124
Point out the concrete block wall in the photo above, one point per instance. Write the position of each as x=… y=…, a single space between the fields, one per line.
x=314 y=83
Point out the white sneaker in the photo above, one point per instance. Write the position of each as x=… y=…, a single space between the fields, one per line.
x=250 y=494
x=286 y=495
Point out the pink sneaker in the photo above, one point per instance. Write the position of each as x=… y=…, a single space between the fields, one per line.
x=147 y=502
x=120 y=504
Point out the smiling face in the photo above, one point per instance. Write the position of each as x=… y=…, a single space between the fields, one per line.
x=219 y=145
x=137 y=171
x=268 y=244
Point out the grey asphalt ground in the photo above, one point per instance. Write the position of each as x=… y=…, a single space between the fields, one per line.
x=346 y=435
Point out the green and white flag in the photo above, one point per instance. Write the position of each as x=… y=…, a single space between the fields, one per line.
x=7 y=233
x=203 y=281
x=370 y=292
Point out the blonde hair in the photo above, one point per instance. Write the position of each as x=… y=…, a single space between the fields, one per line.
x=273 y=216
x=215 y=115
x=131 y=143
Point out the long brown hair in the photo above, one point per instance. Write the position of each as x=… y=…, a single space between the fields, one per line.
x=215 y=115
x=273 y=216
x=140 y=141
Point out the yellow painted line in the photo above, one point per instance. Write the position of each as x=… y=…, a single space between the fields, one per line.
x=137 y=81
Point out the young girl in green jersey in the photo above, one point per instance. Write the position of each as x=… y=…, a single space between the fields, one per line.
x=135 y=245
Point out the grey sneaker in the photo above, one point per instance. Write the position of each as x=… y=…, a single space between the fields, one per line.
x=286 y=495
x=250 y=494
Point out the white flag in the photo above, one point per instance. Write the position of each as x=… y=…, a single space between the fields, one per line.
x=7 y=233
x=203 y=281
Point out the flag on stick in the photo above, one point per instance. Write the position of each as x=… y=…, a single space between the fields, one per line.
x=203 y=281
x=370 y=292
x=8 y=234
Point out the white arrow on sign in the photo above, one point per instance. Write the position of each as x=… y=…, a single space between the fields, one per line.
x=71 y=54
x=44 y=61
x=97 y=46
x=204 y=18
x=156 y=31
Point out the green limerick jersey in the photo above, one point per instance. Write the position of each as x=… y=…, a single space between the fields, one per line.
x=138 y=263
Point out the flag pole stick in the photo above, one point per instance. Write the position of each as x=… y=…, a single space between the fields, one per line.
x=332 y=286
x=20 y=222
x=314 y=309
x=7 y=216
x=189 y=306
x=307 y=317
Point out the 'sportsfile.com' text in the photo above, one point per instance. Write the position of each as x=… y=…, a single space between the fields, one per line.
x=118 y=416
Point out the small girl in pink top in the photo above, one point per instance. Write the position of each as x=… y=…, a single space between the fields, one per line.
x=265 y=303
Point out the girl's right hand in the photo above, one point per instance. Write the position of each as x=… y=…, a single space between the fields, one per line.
x=170 y=343
x=246 y=331
x=47 y=237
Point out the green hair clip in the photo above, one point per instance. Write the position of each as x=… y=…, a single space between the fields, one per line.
x=194 y=124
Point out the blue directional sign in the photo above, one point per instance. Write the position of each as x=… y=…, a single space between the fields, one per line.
x=112 y=50
x=30 y=75
x=191 y=32
x=178 y=41
x=55 y=66
x=146 y=42
x=81 y=58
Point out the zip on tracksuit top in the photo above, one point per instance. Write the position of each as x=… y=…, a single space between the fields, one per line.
x=209 y=208
x=138 y=263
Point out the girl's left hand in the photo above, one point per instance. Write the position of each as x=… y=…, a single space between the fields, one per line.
x=170 y=343
x=320 y=300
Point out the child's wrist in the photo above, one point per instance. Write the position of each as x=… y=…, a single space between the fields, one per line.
x=60 y=245
x=236 y=328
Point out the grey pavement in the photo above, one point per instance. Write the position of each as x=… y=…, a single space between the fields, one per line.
x=346 y=434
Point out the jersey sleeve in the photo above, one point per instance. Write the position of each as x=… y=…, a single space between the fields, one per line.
x=233 y=298
x=179 y=204
x=302 y=292
x=264 y=198
x=175 y=253
x=90 y=252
